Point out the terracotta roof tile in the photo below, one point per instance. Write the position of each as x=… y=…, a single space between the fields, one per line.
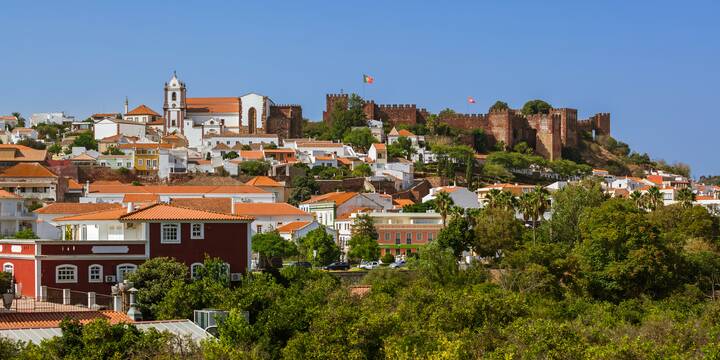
x=337 y=197
x=28 y=320
x=145 y=146
x=142 y=110
x=33 y=170
x=403 y=202
x=4 y=194
x=221 y=205
x=379 y=146
x=293 y=226
x=11 y=152
x=252 y=155
x=263 y=181
x=75 y=208
x=174 y=189
x=101 y=215
x=213 y=104
x=74 y=185
x=141 y=198
x=268 y=209
x=165 y=212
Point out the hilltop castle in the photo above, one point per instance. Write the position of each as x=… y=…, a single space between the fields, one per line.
x=546 y=133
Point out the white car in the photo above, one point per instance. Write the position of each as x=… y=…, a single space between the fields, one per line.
x=369 y=265
x=397 y=264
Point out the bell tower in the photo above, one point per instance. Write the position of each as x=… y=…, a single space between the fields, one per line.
x=174 y=105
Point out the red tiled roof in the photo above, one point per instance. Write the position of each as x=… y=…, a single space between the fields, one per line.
x=142 y=110
x=337 y=197
x=165 y=212
x=100 y=215
x=27 y=170
x=28 y=320
x=75 y=208
x=12 y=152
x=293 y=226
x=263 y=181
x=213 y=104
x=252 y=155
x=403 y=202
x=267 y=209
x=4 y=194
x=74 y=185
x=141 y=198
x=379 y=146
x=221 y=205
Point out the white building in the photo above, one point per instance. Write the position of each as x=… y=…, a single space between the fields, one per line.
x=19 y=134
x=111 y=127
x=56 y=118
x=13 y=214
x=114 y=193
x=461 y=196
x=270 y=217
x=46 y=229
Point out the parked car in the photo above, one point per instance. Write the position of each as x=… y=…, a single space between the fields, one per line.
x=340 y=265
x=304 y=264
x=397 y=264
x=369 y=265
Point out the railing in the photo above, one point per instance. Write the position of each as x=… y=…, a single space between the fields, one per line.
x=59 y=300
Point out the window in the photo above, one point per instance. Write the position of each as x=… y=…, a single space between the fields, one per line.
x=194 y=269
x=123 y=270
x=66 y=273
x=430 y=236
x=154 y=163
x=408 y=238
x=397 y=238
x=197 y=231
x=170 y=234
x=9 y=268
x=174 y=96
x=259 y=228
x=419 y=236
x=387 y=236
x=95 y=273
x=139 y=162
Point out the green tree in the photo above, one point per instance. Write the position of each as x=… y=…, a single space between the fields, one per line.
x=231 y=155
x=319 y=247
x=499 y=106
x=456 y=236
x=303 y=188
x=523 y=148
x=35 y=144
x=254 y=167
x=499 y=199
x=154 y=278
x=652 y=199
x=362 y=170
x=85 y=140
x=270 y=245
x=568 y=206
x=21 y=120
x=112 y=150
x=533 y=107
x=497 y=230
x=686 y=197
x=360 y=139
x=533 y=205
x=443 y=204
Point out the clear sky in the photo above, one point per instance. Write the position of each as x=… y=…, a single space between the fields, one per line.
x=652 y=64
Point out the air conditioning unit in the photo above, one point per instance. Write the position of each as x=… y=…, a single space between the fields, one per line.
x=110 y=279
x=208 y=318
x=235 y=276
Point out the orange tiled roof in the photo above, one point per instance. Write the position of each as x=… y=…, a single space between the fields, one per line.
x=142 y=110
x=252 y=155
x=25 y=170
x=8 y=117
x=221 y=205
x=28 y=320
x=267 y=209
x=403 y=202
x=450 y=189
x=174 y=189
x=337 y=197
x=104 y=115
x=141 y=198
x=324 y=158
x=263 y=181
x=704 y=197
x=4 y=194
x=221 y=146
x=12 y=152
x=23 y=130
x=346 y=215
x=655 y=179
x=165 y=212
x=74 y=185
x=145 y=146
x=75 y=208
x=100 y=215
x=405 y=133
x=293 y=226
x=213 y=104
x=83 y=157
x=379 y=146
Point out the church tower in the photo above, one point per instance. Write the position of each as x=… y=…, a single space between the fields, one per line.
x=174 y=106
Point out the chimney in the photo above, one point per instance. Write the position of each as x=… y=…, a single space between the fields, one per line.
x=130 y=207
x=87 y=187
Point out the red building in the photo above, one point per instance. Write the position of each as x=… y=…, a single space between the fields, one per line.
x=99 y=248
x=401 y=234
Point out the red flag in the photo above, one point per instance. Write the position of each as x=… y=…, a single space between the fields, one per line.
x=471 y=100
x=368 y=79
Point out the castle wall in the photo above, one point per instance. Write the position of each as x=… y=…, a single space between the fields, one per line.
x=285 y=121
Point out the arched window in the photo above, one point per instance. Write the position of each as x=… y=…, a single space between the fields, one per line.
x=9 y=268
x=95 y=273
x=252 y=119
x=194 y=269
x=123 y=270
x=66 y=273
x=174 y=96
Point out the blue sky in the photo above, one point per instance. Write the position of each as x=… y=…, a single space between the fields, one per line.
x=652 y=64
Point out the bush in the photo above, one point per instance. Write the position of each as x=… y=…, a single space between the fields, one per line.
x=388 y=258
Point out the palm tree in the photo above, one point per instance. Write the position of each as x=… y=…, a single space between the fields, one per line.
x=443 y=204
x=533 y=205
x=653 y=198
x=686 y=197
x=637 y=198
x=501 y=199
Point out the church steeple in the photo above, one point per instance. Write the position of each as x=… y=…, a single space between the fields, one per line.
x=174 y=106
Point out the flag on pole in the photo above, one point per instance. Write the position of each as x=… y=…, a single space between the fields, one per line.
x=367 y=79
x=471 y=100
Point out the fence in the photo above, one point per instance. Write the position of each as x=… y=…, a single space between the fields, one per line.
x=54 y=299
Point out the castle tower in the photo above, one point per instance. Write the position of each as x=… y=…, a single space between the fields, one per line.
x=174 y=106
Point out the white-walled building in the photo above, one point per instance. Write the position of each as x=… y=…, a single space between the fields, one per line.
x=56 y=118
x=114 y=193
x=111 y=127
x=270 y=217
x=461 y=196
